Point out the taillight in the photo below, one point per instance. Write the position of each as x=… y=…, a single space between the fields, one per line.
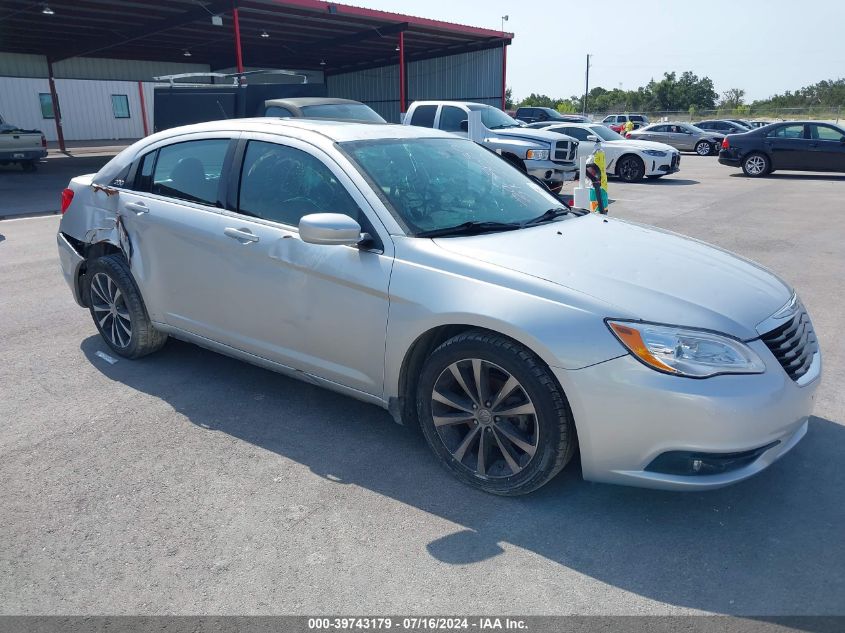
x=43 y=141
x=67 y=198
x=725 y=144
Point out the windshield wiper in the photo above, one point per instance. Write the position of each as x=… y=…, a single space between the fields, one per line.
x=549 y=215
x=473 y=227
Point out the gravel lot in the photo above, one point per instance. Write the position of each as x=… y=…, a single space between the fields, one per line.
x=190 y=483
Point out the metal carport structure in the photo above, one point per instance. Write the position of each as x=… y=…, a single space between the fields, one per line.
x=382 y=58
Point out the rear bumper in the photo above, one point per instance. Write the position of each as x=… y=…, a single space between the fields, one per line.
x=729 y=158
x=70 y=262
x=24 y=154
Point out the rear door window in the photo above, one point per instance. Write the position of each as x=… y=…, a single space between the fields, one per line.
x=450 y=118
x=424 y=116
x=190 y=170
x=825 y=133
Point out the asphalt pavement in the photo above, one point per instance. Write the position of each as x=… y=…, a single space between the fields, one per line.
x=191 y=483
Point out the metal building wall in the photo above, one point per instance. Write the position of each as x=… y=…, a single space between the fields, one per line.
x=377 y=87
x=475 y=76
x=86 y=107
x=18 y=65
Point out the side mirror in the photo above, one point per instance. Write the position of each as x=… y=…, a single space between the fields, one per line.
x=464 y=126
x=329 y=229
x=593 y=138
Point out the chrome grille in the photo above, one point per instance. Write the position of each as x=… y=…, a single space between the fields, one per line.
x=794 y=344
x=566 y=150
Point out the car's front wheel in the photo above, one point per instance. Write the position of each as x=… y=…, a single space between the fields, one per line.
x=118 y=309
x=703 y=148
x=494 y=414
x=755 y=165
x=630 y=168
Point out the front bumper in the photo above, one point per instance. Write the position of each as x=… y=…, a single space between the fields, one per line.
x=70 y=262
x=552 y=173
x=661 y=166
x=627 y=415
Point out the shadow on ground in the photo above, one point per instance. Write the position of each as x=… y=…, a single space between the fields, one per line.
x=772 y=544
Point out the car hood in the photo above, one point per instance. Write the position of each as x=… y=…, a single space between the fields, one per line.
x=530 y=133
x=633 y=143
x=639 y=272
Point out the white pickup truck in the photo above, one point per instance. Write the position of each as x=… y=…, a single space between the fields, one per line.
x=550 y=157
x=25 y=147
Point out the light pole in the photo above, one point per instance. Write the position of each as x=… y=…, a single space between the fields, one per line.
x=586 y=86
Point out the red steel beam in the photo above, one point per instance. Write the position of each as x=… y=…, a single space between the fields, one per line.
x=504 y=74
x=239 y=56
x=143 y=107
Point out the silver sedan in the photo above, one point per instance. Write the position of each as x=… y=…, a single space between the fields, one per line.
x=682 y=136
x=420 y=272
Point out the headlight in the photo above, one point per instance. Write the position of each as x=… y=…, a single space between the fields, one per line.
x=683 y=352
x=537 y=154
x=654 y=152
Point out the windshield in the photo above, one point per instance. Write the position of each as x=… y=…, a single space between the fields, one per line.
x=342 y=111
x=605 y=133
x=493 y=118
x=437 y=183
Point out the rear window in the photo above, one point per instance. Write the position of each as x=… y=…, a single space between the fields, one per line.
x=424 y=116
x=191 y=170
x=342 y=111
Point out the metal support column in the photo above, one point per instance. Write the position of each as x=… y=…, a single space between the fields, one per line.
x=239 y=57
x=143 y=107
x=57 y=113
x=504 y=75
x=402 y=104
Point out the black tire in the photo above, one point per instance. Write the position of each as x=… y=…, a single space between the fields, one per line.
x=142 y=338
x=552 y=428
x=704 y=148
x=756 y=164
x=630 y=168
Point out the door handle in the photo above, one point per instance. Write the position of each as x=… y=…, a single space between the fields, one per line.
x=138 y=207
x=242 y=235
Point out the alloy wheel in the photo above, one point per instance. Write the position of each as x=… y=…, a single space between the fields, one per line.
x=485 y=418
x=755 y=165
x=703 y=149
x=110 y=310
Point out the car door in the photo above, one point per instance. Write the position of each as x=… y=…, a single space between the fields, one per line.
x=659 y=133
x=169 y=229
x=316 y=308
x=788 y=147
x=827 y=147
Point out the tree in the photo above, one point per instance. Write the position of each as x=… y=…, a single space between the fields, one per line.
x=732 y=99
x=566 y=107
x=509 y=104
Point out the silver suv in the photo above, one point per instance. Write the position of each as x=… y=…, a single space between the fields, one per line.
x=417 y=271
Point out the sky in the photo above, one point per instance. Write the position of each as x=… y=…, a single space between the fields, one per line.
x=764 y=48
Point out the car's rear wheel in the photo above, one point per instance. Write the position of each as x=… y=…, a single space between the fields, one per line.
x=755 y=165
x=703 y=148
x=494 y=414
x=630 y=168
x=118 y=309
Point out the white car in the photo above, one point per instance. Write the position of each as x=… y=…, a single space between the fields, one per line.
x=629 y=159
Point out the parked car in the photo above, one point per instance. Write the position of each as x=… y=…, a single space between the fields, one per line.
x=550 y=115
x=756 y=124
x=549 y=157
x=682 y=136
x=722 y=126
x=794 y=145
x=567 y=118
x=322 y=108
x=629 y=159
x=616 y=122
x=416 y=270
x=22 y=147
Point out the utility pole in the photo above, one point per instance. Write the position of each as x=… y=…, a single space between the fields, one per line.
x=586 y=86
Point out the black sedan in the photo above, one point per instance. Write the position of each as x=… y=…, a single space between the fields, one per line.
x=794 y=145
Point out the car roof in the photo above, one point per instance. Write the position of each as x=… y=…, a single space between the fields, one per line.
x=322 y=133
x=583 y=124
x=300 y=102
x=454 y=103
